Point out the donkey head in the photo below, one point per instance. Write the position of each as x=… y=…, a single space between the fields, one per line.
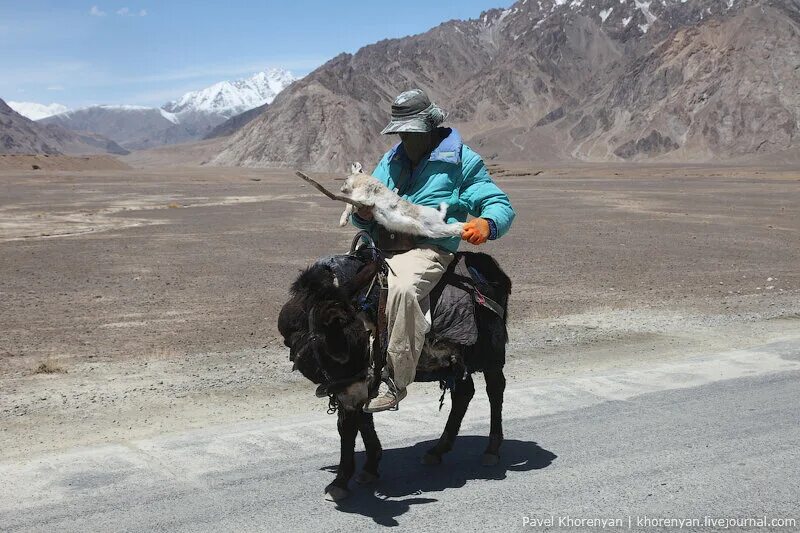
x=326 y=338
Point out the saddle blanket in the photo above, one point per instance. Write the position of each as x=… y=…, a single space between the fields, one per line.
x=453 y=300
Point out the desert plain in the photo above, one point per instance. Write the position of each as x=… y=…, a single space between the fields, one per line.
x=140 y=299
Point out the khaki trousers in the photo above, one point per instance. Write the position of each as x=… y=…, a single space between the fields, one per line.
x=416 y=272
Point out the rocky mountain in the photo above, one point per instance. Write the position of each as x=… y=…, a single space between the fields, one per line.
x=606 y=80
x=36 y=111
x=230 y=98
x=20 y=135
x=133 y=127
x=235 y=123
x=82 y=143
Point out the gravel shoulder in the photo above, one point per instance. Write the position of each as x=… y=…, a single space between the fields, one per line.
x=140 y=302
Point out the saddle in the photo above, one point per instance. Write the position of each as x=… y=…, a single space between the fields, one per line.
x=464 y=286
x=472 y=284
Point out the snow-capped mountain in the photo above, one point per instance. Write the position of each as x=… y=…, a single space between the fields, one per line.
x=35 y=111
x=229 y=98
x=188 y=118
x=166 y=114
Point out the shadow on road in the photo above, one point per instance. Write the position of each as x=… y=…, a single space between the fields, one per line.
x=402 y=475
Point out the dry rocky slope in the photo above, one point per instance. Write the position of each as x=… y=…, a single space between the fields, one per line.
x=20 y=135
x=235 y=123
x=611 y=80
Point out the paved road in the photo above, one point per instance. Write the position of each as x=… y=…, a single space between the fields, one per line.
x=710 y=436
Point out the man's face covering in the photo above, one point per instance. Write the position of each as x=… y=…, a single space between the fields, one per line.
x=417 y=145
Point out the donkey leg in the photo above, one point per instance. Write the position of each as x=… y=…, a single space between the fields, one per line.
x=373 y=448
x=495 y=387
x=347 y=423
x=462 y=393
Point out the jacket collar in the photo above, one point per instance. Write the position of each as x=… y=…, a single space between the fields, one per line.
x=448 y=150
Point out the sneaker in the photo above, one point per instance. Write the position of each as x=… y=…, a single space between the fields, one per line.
x=386 y=399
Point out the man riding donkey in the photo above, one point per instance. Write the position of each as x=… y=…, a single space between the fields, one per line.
x=430 y=165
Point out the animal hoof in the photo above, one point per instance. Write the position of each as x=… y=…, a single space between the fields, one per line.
x=431 y=459
x=365 y=478
x=489 y=459
x=335 y=494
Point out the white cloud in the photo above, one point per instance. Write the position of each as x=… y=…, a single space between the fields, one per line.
x=126 y=12
x=97 y=12
x=56 y=88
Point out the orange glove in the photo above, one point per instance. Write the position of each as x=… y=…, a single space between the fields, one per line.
x=476 y=231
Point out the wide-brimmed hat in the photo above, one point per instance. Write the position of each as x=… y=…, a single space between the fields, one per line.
x=413 y=112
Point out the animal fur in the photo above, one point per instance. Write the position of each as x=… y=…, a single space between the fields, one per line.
x=329 y=345
x=393 y=212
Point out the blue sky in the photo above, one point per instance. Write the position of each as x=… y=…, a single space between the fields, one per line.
x=147 y=52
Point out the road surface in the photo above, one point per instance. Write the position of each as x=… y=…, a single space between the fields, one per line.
x=712 y=436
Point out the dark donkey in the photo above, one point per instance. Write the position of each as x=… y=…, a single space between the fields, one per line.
x=328 y=331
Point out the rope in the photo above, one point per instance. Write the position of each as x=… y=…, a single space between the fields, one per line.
x=333 y=404
x=444 y=385
x=362 y=301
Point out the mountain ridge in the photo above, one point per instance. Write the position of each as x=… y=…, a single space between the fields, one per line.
x=191 y=117
x=610 y=80
x=35 y=111
x=20 y=135
x=230 y=98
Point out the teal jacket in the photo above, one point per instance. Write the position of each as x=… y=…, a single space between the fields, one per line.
x=453 y=174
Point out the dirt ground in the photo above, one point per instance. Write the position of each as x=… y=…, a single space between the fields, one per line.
x=145 y=300
x=11 y=162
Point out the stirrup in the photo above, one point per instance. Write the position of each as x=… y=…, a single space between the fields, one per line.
x=392 y=391
x=393 y=387
x=385 y=378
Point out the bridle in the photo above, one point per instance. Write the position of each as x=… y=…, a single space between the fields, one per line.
x=374 y=352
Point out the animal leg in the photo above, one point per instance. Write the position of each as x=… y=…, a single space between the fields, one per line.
x=346 y=215
x=347 y=423
x=462 y=393
x=373 y=448
x=495 y=387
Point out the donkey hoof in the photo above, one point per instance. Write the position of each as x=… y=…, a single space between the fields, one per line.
x=365 y=478
x=335 y=494
x=431 y=459
x=490 y=459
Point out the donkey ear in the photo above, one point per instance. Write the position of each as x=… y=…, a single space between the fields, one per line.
x=293 y=348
